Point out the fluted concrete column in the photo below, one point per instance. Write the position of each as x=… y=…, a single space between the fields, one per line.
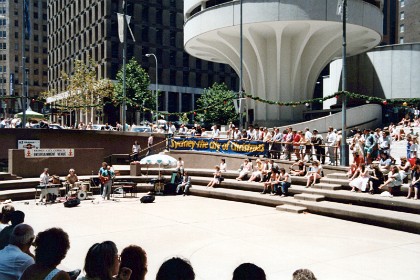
x=286 y=45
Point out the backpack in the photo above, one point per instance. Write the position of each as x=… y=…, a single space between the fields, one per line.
x=147 y=199
x=72 y=202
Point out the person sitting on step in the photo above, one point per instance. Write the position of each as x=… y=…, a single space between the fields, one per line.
x=313 y=174
x=301 y=168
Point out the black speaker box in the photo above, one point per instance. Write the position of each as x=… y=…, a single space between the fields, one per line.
x=147 y=199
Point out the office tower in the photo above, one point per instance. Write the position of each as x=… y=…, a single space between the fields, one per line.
x=11 y=75
x=408 y=18
x=81 y=29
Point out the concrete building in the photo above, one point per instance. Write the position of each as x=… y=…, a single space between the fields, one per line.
x=81 y=29
x=390 y=22
x=387 y=72
x=286 y=44
x=11 y=74
x=408 y=21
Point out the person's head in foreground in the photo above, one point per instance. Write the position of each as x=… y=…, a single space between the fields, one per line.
x=134 y=258
x=102 y=261
x=303 y=274
x=248 y=271
x=176 y=269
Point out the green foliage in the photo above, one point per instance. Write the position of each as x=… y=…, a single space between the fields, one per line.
x=84 y=89
x=220 y=101
x=137 y=83
x=184 y=118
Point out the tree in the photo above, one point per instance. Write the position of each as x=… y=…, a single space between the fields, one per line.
x=137 y=93
x=216 y=105
x=85 y=91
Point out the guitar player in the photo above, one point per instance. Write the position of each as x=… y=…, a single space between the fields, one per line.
x=105 y=176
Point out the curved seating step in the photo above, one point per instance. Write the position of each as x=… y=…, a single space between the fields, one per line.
x=391 y=219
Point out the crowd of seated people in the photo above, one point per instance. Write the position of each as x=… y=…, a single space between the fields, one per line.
x=102 y=260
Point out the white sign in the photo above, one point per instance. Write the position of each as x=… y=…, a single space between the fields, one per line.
x=29 y=144
x=37 y=153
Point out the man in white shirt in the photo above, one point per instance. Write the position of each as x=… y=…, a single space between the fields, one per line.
x=251 y=133
x=308 y=147
x=236 y=135
x=331 y=141
x=16 y=256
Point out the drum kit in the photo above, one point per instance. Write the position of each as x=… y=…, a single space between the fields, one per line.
x=78 y=189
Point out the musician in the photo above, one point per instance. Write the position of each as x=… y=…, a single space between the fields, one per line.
x=105 y=176
x=72 y=177
x=44 y=180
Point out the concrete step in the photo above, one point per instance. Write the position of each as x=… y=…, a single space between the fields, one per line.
x=291 y=208
x=7 y=176
x=338 y=175
x=386 y=218
x=398 y=203
x=327 y=186
x=309 y=197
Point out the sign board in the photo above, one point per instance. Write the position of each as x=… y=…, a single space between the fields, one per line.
x=244 y=147
x=38 y=153
x=29 y=144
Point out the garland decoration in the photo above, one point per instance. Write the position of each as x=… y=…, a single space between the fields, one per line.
x=350 y=95
x=307 y=102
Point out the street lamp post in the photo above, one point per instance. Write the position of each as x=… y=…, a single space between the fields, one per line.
x=344 y=151
x=156 y=90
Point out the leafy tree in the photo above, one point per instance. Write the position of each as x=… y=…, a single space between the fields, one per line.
x=217 y=105
x=137 y=93
x=84 y=90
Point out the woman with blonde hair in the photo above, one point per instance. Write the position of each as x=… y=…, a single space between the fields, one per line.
x=313 y=174
x=257 y=174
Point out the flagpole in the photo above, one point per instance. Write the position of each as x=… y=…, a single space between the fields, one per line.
x=344 y=150
x=124 y=67
x=23 y=65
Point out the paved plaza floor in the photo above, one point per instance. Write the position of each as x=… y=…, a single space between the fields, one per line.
x=217 y=236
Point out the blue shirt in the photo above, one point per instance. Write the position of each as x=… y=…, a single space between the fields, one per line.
x=13 y=262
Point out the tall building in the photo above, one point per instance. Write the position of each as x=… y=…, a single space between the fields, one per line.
x=408 y=18
x=11 y=75
x=81 y=29
x=390 y=22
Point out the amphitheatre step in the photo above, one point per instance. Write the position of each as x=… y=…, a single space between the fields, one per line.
x=310 y=197
x=326 y=186
x=291 y=208
x=337 y=175
x=397 y=203
x=324 y=183
x=386 y=218
x=8 y=176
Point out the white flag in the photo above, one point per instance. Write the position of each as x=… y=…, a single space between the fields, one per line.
x=340 y=8
x=129 y=28
x=121 y=27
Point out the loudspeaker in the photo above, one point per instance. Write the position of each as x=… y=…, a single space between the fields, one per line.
x=72 y=202
x=147 y=199
x=170 y=189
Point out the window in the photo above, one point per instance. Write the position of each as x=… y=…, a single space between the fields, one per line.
x=401 y=40
x=402 y=3
x=402 y=28
x=401 y=15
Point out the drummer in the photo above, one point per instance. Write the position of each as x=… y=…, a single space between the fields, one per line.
x=72 y=178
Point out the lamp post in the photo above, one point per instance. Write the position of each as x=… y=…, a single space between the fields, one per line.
x=241 y=68
x=156 y=90
x=344 y=151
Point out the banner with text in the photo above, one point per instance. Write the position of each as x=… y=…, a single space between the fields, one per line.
x=36 y=153
x=249 y=148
